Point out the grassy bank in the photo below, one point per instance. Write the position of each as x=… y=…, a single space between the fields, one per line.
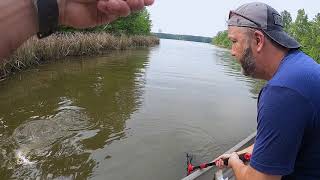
x=55 y=47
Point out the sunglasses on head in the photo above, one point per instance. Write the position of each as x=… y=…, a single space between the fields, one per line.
x=232 y=13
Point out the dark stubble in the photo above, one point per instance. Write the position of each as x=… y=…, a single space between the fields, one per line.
x=247 y=62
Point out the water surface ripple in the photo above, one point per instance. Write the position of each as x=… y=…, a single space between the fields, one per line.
x=126 y=115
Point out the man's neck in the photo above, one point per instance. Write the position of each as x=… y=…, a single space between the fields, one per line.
x=271 y=61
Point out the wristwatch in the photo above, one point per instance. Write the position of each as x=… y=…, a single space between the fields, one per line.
x=48 y=17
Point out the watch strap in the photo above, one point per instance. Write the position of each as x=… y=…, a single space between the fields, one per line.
x=48 y=17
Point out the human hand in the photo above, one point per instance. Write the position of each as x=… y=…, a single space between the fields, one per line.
x=90 y=13
x=234 y=157
x=220 y=161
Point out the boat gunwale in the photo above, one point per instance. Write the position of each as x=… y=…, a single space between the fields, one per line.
x=241 y=144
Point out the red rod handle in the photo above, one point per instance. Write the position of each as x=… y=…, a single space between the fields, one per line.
x=245 y=157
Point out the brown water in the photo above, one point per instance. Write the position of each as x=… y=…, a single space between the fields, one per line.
x=127 y=115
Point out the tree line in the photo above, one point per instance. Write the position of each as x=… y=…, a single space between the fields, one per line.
x=184 y=37
x=305 y=31
x=138 y=23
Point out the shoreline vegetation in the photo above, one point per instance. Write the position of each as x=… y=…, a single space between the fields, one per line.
x=305 y=31
x=129 y=32
x=58 y=46
x=192 y=38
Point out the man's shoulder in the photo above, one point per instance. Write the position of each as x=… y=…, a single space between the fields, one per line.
x=298 y=72
x=298 y=64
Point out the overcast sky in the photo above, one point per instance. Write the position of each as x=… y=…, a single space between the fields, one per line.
x=207 y=17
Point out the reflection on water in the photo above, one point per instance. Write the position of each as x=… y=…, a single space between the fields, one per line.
x=128 y=115
x=233 y=68
x=54 y=117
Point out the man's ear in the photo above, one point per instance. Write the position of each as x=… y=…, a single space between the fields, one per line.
x=260 y=40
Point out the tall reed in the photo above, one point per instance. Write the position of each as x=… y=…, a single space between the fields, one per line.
x=57 y=46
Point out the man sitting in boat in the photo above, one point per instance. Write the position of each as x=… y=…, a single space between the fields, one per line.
x=287 y=144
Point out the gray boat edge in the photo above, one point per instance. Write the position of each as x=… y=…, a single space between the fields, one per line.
x=211 y=173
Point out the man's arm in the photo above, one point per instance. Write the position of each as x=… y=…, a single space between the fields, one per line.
x=246 y=150
x=246 y=172
x=242 y=171
x=18 y=18
x=219 y=160
x=282 y=118
x=17 y=23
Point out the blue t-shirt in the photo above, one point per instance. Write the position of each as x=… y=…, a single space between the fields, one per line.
x=288 y=132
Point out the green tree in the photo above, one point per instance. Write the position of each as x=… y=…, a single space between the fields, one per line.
x=138 y=23
x=302 y=32
x=301 y=27
x=287 y=20
x=222 y=40
x=314 y=44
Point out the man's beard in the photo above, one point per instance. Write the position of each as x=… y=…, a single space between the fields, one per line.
x=248 y=63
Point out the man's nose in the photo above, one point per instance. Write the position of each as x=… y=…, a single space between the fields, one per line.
x=232 y=52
